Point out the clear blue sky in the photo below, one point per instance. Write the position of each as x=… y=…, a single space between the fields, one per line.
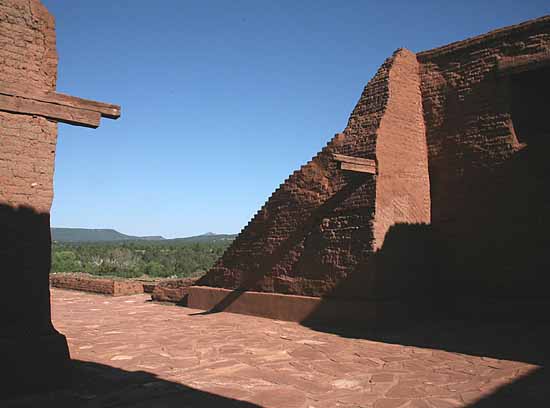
x=222 y=100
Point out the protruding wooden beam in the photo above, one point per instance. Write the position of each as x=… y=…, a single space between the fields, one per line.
x=105 y=109
x=357 y=164
x=66 y=114
x=53 y=105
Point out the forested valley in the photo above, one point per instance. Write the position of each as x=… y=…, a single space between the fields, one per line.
x=131 y=259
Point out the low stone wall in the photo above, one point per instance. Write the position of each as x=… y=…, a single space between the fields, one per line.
x=172 y=290
x=379 y=313
x=104 y=286
x=296 y=308
x=123 y=288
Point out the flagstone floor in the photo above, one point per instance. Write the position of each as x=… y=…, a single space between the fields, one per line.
x=129 y=351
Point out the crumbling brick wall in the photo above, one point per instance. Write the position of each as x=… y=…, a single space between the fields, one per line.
x=323 y=223
x=316 y=225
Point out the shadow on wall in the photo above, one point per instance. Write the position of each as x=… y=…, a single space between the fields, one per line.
x=491 y=202
x=32 y=352
x=497 y=244
x=25 y=256
x=403 y=268
x=489 y=263
x=487 y=257
x=94 y=385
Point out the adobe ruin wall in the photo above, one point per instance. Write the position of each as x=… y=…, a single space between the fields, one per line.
x=457 y=206
x=488 y=171
x=323 y=223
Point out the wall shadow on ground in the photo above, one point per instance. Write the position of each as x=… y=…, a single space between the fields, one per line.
x=513 y=340
x=93 y=385
x=530 y=390
x=431 y=310
x=477 y=283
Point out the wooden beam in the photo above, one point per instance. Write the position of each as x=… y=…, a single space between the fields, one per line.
x=106 y=110
x=66 y=114
x=360 y=168
x=357 y=164
x=352 y=159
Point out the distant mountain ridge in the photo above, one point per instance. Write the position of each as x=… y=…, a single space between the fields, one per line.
x=111 y=235
x=94 y=235
x=208 y=237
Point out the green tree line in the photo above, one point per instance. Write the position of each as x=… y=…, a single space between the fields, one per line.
x=137 y=258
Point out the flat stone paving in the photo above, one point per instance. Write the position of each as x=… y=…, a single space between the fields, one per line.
x=148 y=354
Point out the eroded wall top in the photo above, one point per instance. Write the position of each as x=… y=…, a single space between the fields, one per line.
x=27 y=38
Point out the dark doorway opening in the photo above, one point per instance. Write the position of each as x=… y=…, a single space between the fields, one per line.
x=531 y=107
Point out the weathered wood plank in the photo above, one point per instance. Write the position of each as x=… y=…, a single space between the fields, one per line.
x=358 y=164
x=66 y=114
x=355 y=160
x=361 y=168
x=106 y=110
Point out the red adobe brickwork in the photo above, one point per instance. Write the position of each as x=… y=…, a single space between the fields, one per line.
x=458 y=204
x=29 y=57
x=323 y=223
